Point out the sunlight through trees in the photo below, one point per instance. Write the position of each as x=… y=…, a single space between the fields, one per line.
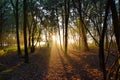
x=83 y=26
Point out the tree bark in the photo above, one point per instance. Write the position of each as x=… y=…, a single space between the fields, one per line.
x=1 y=28
x=116 y=23
x=67 y=8
x=17 y=30
x=101 y=43
x=63 y=20
x=25 y=32
x=15 y=11
x=83 y=37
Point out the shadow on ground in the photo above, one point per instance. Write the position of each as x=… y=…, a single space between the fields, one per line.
x=13 y=68
x=84 y=65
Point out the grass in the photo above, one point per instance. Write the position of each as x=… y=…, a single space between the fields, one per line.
x=2 y=52
x=10 y=49
x=5 y=50
x=6 y=71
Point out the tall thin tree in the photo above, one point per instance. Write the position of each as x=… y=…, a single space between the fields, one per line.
x=25 y=31
x=67 y=9
x=115 y=23
x=17 y=29
x=101 y=42
x=82 y=28
x=116 y=26
x=16 y=14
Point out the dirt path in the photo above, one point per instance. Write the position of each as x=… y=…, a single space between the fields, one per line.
x=52 y=64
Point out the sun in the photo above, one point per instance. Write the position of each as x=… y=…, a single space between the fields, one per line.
x=53 y=37
x=56 y=39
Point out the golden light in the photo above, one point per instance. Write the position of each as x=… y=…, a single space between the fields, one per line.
x=42 y=43
x=53 y=37
x=57 y=39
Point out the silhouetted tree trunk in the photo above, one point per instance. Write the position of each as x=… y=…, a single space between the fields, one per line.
x=25 y=32
x=57 y=15
x=46 y=35
x=15 y=11
x=101 y=43
x=33 y=38
x=29 y=39
x=107 y=41
x=1 y=26
x=119 y=10
x=63 y=20
x=17 y=30
x=82 y=28
x=67 y=9
x=29 y=36
x=33 y=33
x=115 y=23
x=2 y=22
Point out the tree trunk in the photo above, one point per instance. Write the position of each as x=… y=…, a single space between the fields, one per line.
x=29 y=39
x=83 y=38
x=63 y=24
x=25 y=32
x=32 y=47
x=119 y=11
x=15 y=11
x=33 y=33
x=101 y=43
x=57 y=15
x=67 y=6
x=1 y=27
x=115 y=23
x=17 y=30
x=107 y=41
x=82 y=29
x=46 y=35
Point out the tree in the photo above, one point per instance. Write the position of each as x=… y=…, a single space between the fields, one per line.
x=116 y=26
x=115 y=23
x=101 y=42
x=82 y=27
x=25 y=31
x=67 y=9
x=110 y=4
x=2 y=20
x=15 y=11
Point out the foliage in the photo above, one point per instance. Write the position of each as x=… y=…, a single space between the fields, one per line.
x=2 y=52
x=76 y=20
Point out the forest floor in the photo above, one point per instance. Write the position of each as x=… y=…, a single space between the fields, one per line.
x=51 y=64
